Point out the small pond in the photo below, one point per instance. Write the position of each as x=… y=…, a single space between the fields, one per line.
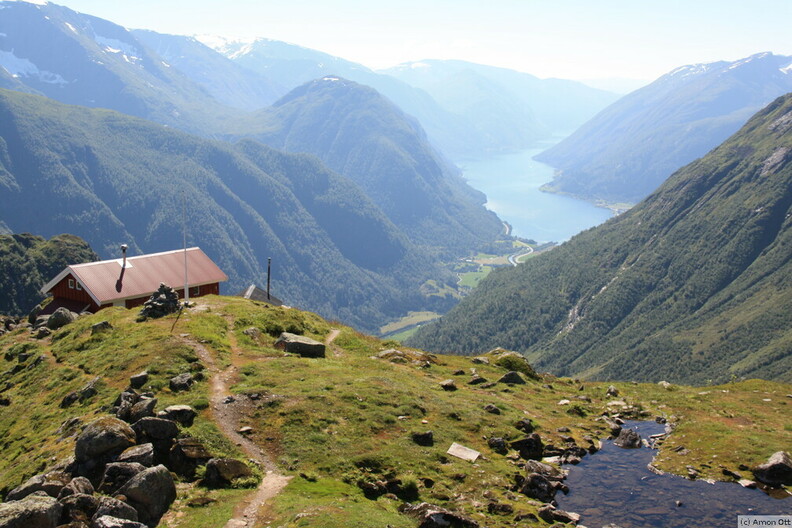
x=615 y=486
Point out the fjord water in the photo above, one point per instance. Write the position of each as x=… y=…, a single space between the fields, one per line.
x=614 y=485
x=511 y=183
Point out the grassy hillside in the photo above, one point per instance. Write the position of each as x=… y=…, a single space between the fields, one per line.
x=332 y=424
x=28 y=262
x=693 y=285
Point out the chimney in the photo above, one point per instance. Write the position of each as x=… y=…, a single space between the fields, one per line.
x=123 y=253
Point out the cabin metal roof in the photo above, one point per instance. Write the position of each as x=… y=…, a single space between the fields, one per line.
x=106 y=281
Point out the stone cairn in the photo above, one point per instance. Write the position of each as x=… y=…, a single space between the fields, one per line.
x=162 y=302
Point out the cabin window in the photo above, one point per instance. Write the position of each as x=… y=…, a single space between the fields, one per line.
x=71 y=284
x=77 y=286
x=195 y=291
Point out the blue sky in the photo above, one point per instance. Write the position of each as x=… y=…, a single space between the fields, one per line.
x=574 y=39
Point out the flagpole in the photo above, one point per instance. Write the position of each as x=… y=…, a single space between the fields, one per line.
x=184 y=236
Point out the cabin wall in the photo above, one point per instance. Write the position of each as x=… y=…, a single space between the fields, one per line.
x=62 y=291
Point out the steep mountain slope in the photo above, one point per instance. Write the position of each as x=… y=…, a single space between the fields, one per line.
x=228 y=82
x=362 y=135
x=693 y=284
x=80 y=59
x=110 y=179
x=28 y=262
x=525 y=106
x=630 y=148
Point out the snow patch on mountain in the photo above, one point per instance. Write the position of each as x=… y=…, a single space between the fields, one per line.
x=19 y=67
x=111 y=45
x=72 y=28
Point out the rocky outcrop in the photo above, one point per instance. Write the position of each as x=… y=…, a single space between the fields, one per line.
x=37 y=510
x=776 y=471
x=300 y=345
x=150 y=492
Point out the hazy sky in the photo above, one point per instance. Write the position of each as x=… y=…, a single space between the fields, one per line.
x=574 y=39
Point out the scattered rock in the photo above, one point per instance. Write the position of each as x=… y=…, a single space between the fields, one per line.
x=79 y=507
x=530 y=447
x=546 y=470
x=151 y=493
x=492 y=409
x=104 y=326
x=182 y=382
x=498 y=445
x=78 y=485
x=138 y=380
x=186 y=455
x=183 y=414
x=142 y=409
x=37 y=510
x=477 y=380
x=538 y=487
x=448 y=385
x=512 y=377
x=50 y=483
x=525 y=425
x=500 y=508
x=745 y=483
x=107 y=521
x=142 y=454
x=116 y=474
x=104 y=437
x=300 y=345
x=628 y=439
x=252 y=332
x=550 y=514
x=43 y=333
x=423 y=439
x=664 y=384
x=431 y=516
x=59 y=318
x=481 y=360
x=407 y=357
x=222 y=471
x=115 y=508
x=776 y=471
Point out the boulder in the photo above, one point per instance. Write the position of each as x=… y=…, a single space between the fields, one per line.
x=183 y=414
x=59 y=318
x=98 y=328
x=252 y=332
x=143 y=454
x=116 y=474
x=612 y=391
x=138 y=380
x=477 y=380
x=423 y=439
x=628 y=439
x=300 y=345
x=776 y=471
x=492 y=409
x=50 y=483
x=42 y=333
x=150 y=492
x=538 y=487
x=512 y=377
x=124 y=403
x=106 y=521
x=182 y=382
x=142 y=409
x=78 y=507
x=530 y=447
x=186 y=455
x=222 y=471
x=498 y=445
x=104 y=437
x=115 y=508
x=525 y=425
x=153 y=428
x=550 y=514
x=78 y=485
x=448 y=385
x=37 y=510
x=546 y=470
x=431 y=516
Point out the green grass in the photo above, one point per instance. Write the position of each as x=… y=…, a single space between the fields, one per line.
x=471 y=279
x=411 y=319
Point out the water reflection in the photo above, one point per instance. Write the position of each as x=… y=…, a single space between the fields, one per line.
x=615 y=486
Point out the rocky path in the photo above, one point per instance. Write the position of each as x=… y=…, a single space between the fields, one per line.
x=329 y=342
x=227 y=411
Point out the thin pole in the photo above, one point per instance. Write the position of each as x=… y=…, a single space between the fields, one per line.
x=184 y=237
x=269 y=268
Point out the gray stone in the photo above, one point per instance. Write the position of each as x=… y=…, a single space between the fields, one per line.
x=138 y=380
x=222 y=471
x=142 y=454
x=538 y=487
x=498 y=445
x=43 y=333
x=78 y=485
x=186 y=455
x=776 y=471
x=525 y=425
x=59 y=318
x=106 y=521
x=104 y=437
x=612 y=391
x=50 y=483
x=431 y=516
x=116 y=474
x=183 y=414
x=182 y=382
x=550 y=514
x=103 y=326
x=142 y=409
x=628 y=439
x=162 y=302
x=152 y=428
x=530 y=447
x=252 y=332
x=115 y=508
x=423 y=439
x=492 y=409
x=37 y=510
x=448 y=385
x=512 y=377
x=78 y=507
x=150 y=492
x=300 y=345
